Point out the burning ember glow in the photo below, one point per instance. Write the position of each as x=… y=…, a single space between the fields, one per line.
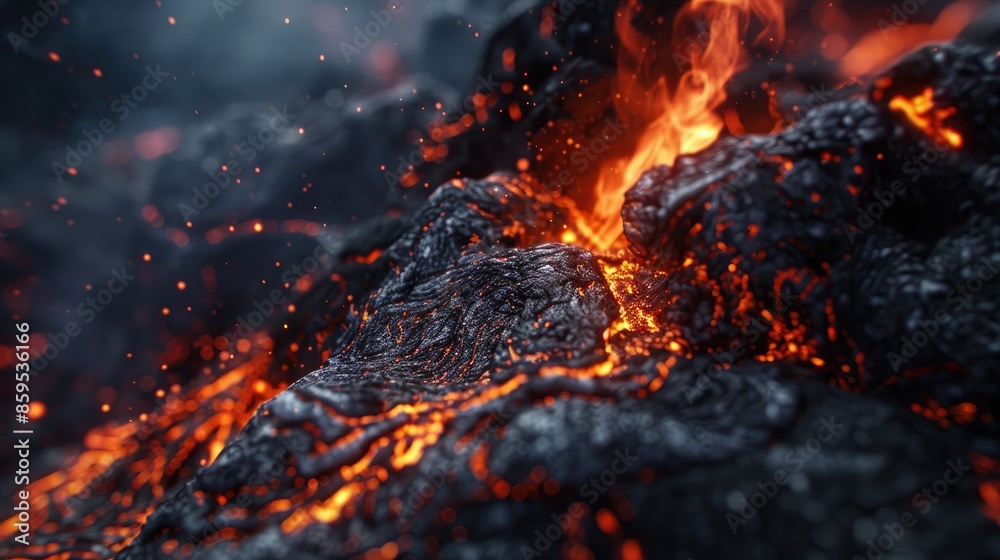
x=674 y=118
x=496 y=351
x=922 y=113
x=137 y=463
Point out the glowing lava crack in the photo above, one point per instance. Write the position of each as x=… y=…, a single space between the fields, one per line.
x=496 y=380
x=495 y=393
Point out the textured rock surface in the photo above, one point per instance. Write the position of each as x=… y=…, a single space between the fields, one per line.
x=494 y=397
x=861 y=213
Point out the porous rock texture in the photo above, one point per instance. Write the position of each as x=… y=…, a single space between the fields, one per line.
x=485 y=401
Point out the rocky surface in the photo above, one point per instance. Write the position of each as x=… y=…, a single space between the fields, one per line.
x=493 y=398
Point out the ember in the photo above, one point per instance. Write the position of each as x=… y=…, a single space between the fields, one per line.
x=922 y=112
x=713 y=343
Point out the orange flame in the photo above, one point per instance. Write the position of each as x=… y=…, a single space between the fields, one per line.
x=920 y=110
x=681 y=117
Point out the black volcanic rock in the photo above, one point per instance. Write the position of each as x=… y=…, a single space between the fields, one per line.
x=877 y=228
x=486 y=401
x=487 y=394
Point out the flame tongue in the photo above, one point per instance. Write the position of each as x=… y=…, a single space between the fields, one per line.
x=922 y=112
x=681 y=116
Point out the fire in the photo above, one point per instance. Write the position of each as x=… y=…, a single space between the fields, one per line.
x=920 y=110
x=681 y=116
x=137 y=463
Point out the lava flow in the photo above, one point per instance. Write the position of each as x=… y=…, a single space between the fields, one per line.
x=708 y=311
x=136 y=464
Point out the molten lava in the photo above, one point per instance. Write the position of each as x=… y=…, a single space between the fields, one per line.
x=681 y=116
x=136 y=463
x=920 y=110
x=136 y=469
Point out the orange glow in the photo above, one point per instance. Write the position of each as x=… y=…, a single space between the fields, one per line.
x=989 y=491
x=607 y=521
x=666 y=118
x=132 y=458
x=631 y=550
x=881 y=46
x=621 y=280
x=920 y=110
x=36 y=410
x=508 y=59
x=681 y=117
x=423 y=423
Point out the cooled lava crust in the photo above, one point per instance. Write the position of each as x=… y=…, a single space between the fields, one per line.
x=502 y=395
